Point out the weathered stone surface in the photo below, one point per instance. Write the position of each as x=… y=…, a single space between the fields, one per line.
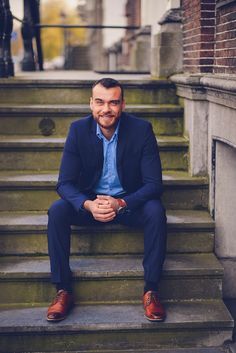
x=111 y=279
x=165 y=350
x=76 y=91
x=196 y=128
x=27 y=120
x=115 y=327
x=44 y=153
x=210 y=102
x=22 y=191
x=188 y=231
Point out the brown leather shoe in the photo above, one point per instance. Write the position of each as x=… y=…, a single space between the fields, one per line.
x=60 y=306
x=154 y=311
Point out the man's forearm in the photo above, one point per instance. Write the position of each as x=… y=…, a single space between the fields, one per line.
x=142 y=195
x=72 y=194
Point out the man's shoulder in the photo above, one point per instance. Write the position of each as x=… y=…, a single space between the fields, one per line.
x=82 y=126
x=82 y=123
x=135 y=121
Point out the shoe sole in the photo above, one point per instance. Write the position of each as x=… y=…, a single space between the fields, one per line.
x=61 y=318
x=56 y=320
x=154 y=320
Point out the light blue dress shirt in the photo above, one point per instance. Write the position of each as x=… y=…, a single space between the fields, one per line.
x=109 y=183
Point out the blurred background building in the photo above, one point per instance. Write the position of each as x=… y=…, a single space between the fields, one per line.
x=135 y=48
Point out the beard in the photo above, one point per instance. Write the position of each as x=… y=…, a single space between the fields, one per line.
x=108 y=121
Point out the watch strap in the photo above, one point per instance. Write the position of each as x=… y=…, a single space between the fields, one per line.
x=121 y=203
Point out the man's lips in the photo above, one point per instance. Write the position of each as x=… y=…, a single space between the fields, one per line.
x=106 y=116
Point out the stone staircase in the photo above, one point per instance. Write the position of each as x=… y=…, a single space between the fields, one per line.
x=106 y=261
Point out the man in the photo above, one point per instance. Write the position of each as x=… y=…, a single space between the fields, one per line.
x=110 y=172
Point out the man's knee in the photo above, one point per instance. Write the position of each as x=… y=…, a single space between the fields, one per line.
x=154 y=211
x=60 y=209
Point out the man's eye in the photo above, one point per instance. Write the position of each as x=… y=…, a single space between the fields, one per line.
x=99 y=102
x=114 y=103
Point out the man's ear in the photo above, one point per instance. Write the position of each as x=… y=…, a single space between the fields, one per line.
x=91 y=103
x=123 y=104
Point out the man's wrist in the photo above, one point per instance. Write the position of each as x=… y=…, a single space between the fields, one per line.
x=86 y=205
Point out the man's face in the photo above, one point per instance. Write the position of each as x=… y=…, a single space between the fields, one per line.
x=106 y=105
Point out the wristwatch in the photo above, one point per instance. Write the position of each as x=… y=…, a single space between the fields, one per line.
x=122 y=205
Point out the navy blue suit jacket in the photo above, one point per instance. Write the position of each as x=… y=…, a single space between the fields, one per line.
x=138 y=162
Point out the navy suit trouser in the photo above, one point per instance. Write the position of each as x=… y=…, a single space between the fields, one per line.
x=150 y=217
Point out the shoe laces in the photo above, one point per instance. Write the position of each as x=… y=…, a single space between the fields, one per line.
x=150 y=298
x=60 y=297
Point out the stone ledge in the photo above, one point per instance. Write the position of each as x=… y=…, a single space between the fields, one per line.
x=225 y=82
x=220 y=89
x=189 y=86
x=112 y=266
x=171 y=16
x=35 y=142
x=65 y=109
x=37 y=222
x=54 y=83
x=165 y=350
x=33 y=179
x=114 y=317
x=116 y=329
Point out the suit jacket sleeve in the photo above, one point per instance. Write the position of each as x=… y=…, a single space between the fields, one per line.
x=151 y=172
x=70 y=170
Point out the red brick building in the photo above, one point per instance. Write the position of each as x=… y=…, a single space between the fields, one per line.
x=209 y=36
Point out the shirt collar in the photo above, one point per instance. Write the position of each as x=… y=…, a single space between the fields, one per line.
x=102 y=137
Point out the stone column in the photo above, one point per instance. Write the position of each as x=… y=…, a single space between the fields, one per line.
x=167 y=51
x=140 y=57
x=195 y=121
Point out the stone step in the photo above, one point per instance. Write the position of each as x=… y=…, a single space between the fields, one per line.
x=24 y=191
x=111 y=279
x=74 y=91
x=55 y=119
x=116 y=328
x=35 y=153
x=221 y=349
x=25 y=234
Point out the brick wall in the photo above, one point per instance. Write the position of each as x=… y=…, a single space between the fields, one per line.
x=225 y=38
x=198 y=35
x=209 y=36
x=133 y=12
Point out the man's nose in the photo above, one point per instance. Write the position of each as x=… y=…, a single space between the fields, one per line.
x=106 y=107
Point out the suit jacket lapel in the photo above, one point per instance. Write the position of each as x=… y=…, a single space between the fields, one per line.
x=97 y=146
x=121 y=144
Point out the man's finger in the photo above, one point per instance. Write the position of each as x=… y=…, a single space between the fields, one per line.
x=105 y=207
x=103 y=197
x=105 y=218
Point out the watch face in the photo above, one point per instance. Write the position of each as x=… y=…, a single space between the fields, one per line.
x=120 y=210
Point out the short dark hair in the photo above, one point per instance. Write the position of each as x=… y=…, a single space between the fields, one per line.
x=108 y=82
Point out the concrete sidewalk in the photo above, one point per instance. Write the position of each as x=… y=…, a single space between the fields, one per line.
x=77 y=75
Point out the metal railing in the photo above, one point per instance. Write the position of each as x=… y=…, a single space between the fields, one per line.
x=6 y=25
